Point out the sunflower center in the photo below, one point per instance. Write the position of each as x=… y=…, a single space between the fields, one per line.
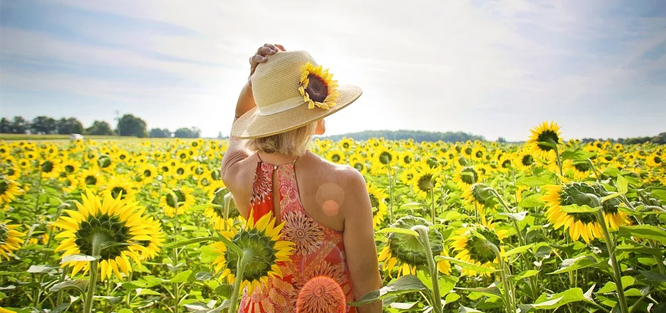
x=548 y=136
x=69 y=168
x=374 y=202
x=407 y=159
x=582 y=166
x=4 y=186
x=425 y=182
x=479 y=154
x=147 y=173
x=359 y=166
x=346 y=145
x=180 y=171
x=199 y=170
x=259 y=246
x=91 y=180
x=114 y=232
x=506 y=164
x=118 y=191
x=335 y=158
x=317 y=88
x=180 y=195
x=657 y=160
x=122 y=157
x=47 y=166
x=385 y=157
x=469 y=176
x=527 y=160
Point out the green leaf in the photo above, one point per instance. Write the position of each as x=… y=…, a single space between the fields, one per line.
x=234 y=247
x=654 y=277
x=627 y=281
x=147 y=292
x=41 y=269
x=645 y=232
x=532 y=201
x=179 y=244
x=446 y=282
x=525 y=274
x=659 y=194
x=518 y=250
x=398 y=231
x=181 y=277
x=535 y=181
x=466 y=265
x=203 y=276
x=552 y=302
x=404 y=284
x=79 y=284
x=574 y=208
x=125 y=311
x=412 y=205
x=492 y=291
x=577 y=263
x=610 y=196
x=464 y=309
x=622 y=184
x=224 y=291
x=577 y=155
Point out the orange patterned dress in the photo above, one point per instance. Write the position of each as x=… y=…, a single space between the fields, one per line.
x=318 y=250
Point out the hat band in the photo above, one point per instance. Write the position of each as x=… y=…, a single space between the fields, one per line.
x=281 y=106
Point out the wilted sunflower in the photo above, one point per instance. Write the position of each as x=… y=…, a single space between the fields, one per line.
x=9 y=189
x=177 y=201
x=405 y=252
x=262 y=241
x=377 y=200
x=583 y=225
x=118 y=226
x=318 y=87
x=473 y=249
x=10 y=240
x=544 y=137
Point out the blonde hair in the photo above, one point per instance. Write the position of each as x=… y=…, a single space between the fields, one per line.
x=293 y=143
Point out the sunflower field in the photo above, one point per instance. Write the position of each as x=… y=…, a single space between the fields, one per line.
x=551 y=225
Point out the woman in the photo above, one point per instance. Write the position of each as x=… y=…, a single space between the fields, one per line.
x=325 y=207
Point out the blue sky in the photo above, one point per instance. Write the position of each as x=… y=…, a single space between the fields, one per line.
x=493 y=68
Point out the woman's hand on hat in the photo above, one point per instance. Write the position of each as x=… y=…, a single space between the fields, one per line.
x=261 y=55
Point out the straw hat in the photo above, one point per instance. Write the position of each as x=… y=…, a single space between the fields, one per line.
x=291 y=91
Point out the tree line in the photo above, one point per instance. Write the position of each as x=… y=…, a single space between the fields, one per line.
x=128 y=125
x=416 y=135
x=659 y=140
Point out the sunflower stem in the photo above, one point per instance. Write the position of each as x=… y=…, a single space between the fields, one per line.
x=596 y=174
x=616 y=267
x=559 y=160
x=432 y=267
x=390 y=182
x=240 y=272
x=508 y=295
x=97 y=241
x=432 y=205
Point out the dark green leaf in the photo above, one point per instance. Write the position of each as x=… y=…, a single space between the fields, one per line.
x=179 y=244
x=79 y=284
x=404 y=284
x=644 y=232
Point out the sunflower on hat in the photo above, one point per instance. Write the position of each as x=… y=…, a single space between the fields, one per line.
x=318 y=87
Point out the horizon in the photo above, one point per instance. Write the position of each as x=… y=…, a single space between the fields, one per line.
x=493 y=69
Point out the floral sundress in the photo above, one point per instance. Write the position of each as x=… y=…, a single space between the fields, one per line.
x=318 y=250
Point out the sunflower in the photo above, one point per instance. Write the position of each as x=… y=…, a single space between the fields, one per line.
x=525 y=159
x=318 y=87
x=152 y=246
x=10 y=240
x=261 y=241
x=118 y=227
x=466 y=177
x=406 y=158
x=405 y=252
x=69 y=168
x=106 y=163
x=654 y=160
x=181 y=171
x=50 y=167
x=92 y=177
x=216 y=210
x=336 y=156
x=544 y=138
x=423 y=182
x=382 y=159
x=120 y=185
x=581 y=170
x=377 y=200
x=583 y=225
x=147 y=173
x=9 y=189
x=358 y=162
x=346 y=144
x=479 y=153
x=473 y=249
x=479 y=196
x=177 y=201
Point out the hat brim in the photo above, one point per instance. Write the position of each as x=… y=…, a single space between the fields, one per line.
x=253 y=125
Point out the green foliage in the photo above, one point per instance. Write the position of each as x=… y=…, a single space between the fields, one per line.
x=130 y=125
x=417 y=136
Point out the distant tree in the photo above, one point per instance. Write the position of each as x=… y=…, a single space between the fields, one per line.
x=219 y=135
x=417 y=136
x=20 y=125
x=160 y=133
x=70 y=125
x=659 y=139
x=187 y=132
x=100 y=128
x=5 y=126
x=129 y=125
x=43 y=125
x=501 y=140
